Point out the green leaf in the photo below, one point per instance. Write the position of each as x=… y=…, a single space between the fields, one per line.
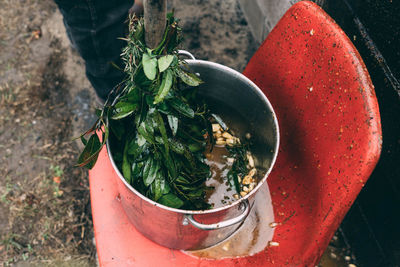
x=133 y=147
x=186 y=187
x=126 y=169
x=161 y=127
x=170 y=200
x=197 y=193
x=190 y=136
x=143 y=132
x=232 y=175
x=136 y=169
x=142 y=114
x=146 y=170
x=190 y=158
x=133 y=96
x=149 y=123
x=164 y=62
x=89 y=155
x=165 y=109
x=105 y=134
x=165 y=189
x=149 y=66
x=149 y=100
x=141 y=141
x=182 y=180
x=149 y=171
x=140 y=78
x=156 y=186
x=173 y=123
x=169 y=163
x=84 y=141
x=117 y=128
x=181 y=107
x=122 y=110
x=177 y=147
x=164 y=87
x=189 y=78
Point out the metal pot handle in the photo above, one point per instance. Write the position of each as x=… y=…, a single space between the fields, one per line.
x=186 y=53
x=245 y=206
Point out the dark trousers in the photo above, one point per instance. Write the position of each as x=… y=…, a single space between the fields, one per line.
x=94 y=26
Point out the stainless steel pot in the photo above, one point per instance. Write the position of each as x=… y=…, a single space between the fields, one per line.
x=246 y=110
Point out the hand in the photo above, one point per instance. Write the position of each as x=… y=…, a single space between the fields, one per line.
x=137 y=8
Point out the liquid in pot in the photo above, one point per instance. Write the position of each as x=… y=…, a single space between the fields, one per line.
x=220 y=192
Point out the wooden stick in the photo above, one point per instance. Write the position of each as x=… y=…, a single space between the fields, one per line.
x=155 y=17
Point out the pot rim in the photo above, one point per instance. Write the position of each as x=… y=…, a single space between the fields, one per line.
x=236 y=202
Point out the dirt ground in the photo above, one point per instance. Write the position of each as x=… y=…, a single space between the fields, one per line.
x=46 y=100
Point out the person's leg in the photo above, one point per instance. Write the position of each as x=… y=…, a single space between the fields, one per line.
x=94 y=27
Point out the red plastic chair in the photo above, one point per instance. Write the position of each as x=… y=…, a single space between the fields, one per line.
x=330 y=143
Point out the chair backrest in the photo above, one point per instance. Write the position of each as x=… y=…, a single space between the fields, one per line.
x=330 y=129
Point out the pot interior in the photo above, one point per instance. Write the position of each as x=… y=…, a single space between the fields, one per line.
x=243 y=107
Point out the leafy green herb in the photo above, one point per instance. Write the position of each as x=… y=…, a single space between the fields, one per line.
x=159 y=128
x=189 y=78
x=144 y=113
x=239 y=166
x=123 y=109
x=91 y=151
x=126 y=166
x=149 y=66
x=173 y=124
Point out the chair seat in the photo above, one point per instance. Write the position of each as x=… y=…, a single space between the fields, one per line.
x=330 y=143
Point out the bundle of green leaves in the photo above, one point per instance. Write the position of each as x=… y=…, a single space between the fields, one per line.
x=157 y=129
